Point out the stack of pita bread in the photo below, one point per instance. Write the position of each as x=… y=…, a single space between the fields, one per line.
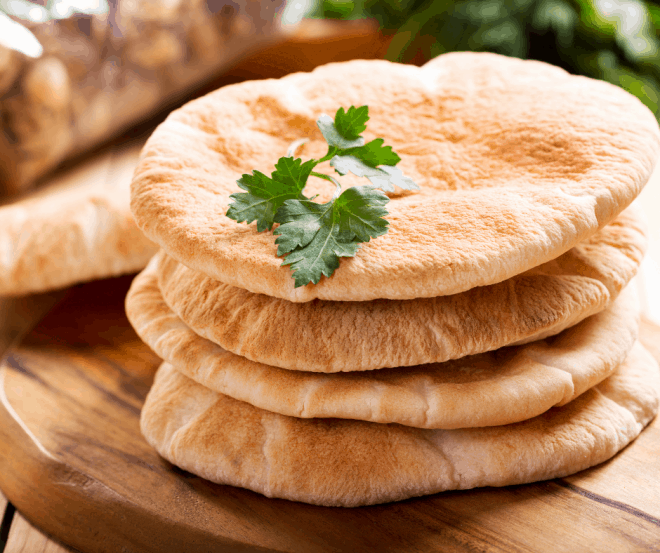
x=489 y=338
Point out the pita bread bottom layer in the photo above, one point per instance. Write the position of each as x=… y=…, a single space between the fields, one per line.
x=337 y=462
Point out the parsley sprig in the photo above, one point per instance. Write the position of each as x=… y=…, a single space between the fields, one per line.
x=311 y=235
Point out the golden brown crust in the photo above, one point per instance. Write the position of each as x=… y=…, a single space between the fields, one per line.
x=70 y=233
x=518 y=161
x=472 y=391
x=325 y=336
x=350 y=463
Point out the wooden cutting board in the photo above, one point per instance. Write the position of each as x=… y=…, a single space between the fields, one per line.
x=73 y=462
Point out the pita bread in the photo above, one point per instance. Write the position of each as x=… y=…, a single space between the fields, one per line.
x=348 y=463
x=496 y=388
x=325 y=336
x=517 y=161
x=78 y=228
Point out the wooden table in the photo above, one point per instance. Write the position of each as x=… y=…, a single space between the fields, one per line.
x=16 y=317
x=573 y=497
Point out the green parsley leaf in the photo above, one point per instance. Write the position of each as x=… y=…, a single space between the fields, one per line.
x=265 y=194
x=374 y=153
x=315 y=235
x=299 y=220
x=333 y=137
x=352 y=123
x=293 y=172
x=361 y=210
x=372 y=160
x=383 y=177
x=319 y=257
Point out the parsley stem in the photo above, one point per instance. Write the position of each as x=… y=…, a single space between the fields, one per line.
x=332 y=151
x=295 y=145
x=324 y=176
x=332 y=180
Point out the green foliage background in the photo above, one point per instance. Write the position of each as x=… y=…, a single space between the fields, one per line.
x=614 y=40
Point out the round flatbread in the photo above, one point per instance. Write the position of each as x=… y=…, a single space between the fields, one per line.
x=517 y=161
x=500 y=387
x=77 y=228
x=350 y=463
x=326 y=336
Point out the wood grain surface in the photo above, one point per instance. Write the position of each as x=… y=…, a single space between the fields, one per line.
x=6 y=513
x=18 y=315
x=25 y=538
x=74 y=463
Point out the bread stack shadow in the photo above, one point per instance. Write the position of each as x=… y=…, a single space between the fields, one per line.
x=355 y=403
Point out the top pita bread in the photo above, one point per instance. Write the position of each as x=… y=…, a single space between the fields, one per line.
x=517 y=162
x=77 y=228
x=327 y=336
x=338 y=462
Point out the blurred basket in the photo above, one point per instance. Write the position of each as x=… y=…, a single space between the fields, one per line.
x=101 y=73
